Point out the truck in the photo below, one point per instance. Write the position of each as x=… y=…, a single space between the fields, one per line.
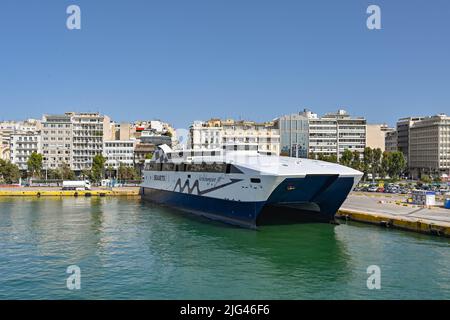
x=76 y=185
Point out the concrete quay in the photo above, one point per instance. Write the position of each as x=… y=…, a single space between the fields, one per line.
x=393 y=211
x=57 y=192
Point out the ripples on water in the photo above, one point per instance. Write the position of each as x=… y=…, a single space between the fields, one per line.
x=127 y=249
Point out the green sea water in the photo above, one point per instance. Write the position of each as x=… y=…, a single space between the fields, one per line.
x=127 y=249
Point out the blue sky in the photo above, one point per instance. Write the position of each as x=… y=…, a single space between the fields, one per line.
x=184 y=60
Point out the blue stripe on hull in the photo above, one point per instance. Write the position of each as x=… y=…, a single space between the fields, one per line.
x=233 y=212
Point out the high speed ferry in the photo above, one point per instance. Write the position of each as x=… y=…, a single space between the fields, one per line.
x=241 y=186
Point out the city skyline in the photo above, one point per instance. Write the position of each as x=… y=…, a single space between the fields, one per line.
x=186 y=62
x=391 y=124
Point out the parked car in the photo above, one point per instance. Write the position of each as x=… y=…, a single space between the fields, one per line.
x=372 y=189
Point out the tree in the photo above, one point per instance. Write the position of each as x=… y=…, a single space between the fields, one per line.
x=66 y=173
x=86 y=174
x=425 y=178
x=356 y=161
x=122 y=172
x=346 y=158
x=384 y=168
x=127 y=173
x=327 y=158
x=110 y=171
x=367 y=161
x=331 y=158
x=397 y=164
x=34 y=164
x=98 y=167
x=9 y=172
x=149 y=156
x=53 y=174
x=376 y=162
x=437 y=179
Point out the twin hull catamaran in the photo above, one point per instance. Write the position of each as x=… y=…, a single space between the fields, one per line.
x=239 y=187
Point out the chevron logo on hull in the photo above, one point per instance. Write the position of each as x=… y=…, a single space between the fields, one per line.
x=196 y=187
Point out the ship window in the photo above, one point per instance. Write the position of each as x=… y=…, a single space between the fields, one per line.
x=206 y=167
x=168 y=167
x=153 y=166
x=192 y=167
x=255 y=180
x=214 y=167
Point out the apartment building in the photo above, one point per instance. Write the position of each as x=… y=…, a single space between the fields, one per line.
x=29 y=125
x=5 y=142
x=235 y=135
x=376 y=135
x=206 y=135
x=57 y=144
x=151 y=137
x=22 y=145
x=429 y=146
x=74 y=139
x=294 y=135
x=328 y=135
x=88 y=132
x=141 y=150
x=264 y=135
x=323 y=135
x=403 y=128
x=390 y=141
x=119 y=152
x=351 y=131
x=120 y=131
x=18 y=128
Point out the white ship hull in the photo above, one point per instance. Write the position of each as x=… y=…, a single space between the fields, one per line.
x=248 y=186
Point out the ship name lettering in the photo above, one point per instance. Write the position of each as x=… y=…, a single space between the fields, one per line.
x=159 y=178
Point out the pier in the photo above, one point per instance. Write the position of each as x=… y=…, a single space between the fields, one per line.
x=57 y=192
x=393 y=211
